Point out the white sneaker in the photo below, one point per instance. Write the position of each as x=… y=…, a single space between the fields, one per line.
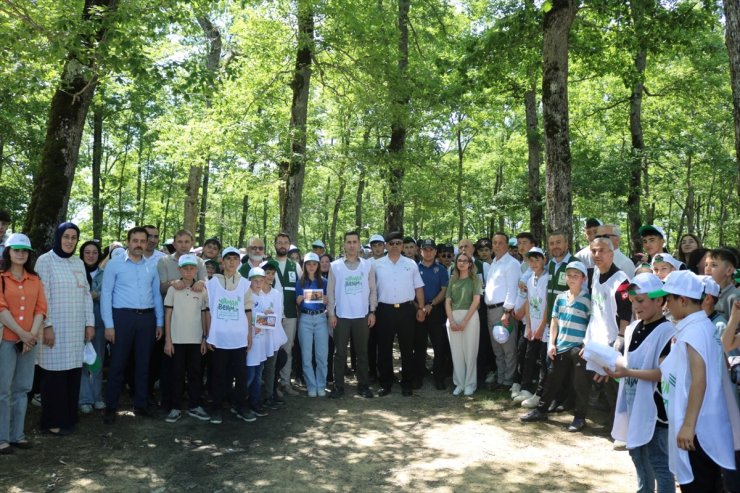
x=515 y=390
x=199 y=413
x=312 y=393
x=36 y=401
x=532 y=402
x=174 y=416
x=86 y=409
x=490 y=377
x=522 y=396
x=457 y=391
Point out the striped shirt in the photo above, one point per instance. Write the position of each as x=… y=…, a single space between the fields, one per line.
x=572 y=320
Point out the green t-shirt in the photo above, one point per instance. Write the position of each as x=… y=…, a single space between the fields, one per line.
x=461 y=292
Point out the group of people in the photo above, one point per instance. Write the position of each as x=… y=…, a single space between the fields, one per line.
x=239 y=329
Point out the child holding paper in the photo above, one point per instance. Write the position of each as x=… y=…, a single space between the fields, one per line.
x=640 y=418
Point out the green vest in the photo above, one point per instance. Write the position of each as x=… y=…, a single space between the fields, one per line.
x=289 y=305
x=556 y=283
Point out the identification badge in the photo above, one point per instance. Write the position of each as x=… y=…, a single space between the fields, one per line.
x=561 y=278
x=291 y=276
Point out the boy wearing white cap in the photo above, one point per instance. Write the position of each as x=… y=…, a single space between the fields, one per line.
x=703 y=418
x=570 y=313
x=184 y=325
x=640 y=418
x=663 y=264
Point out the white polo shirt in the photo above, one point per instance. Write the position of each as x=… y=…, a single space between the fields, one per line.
x=502 y=283
x=397 y=282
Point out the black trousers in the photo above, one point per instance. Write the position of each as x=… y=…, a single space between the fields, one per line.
x=707 y=474
x=521 y=352
x=485 y=361
x=226 y=363
x=60 y=394
x=560 y=379
x=392 y=322
x=434 y=328
x=372 y=353
x=582 y=382
x=186 y=360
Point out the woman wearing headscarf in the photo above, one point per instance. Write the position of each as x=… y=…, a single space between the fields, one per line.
x=91 y=386
x=70 y=322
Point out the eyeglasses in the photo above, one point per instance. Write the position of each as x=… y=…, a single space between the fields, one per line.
x=606 y=235
x=260 y=248
x=395 y=243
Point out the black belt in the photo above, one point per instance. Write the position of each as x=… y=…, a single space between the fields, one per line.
x=138 y=311
x=496 y=305
x=398 y=305
x=313 y=312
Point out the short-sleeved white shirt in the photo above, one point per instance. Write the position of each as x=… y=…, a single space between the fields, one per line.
x=397 y=282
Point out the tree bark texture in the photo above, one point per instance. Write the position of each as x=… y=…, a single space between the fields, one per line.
x=732 y=40
x=534 y=162
x=637 y=160
x=395 y=207
x=335 y=216
x=293 y=168
x=97 y=160
x=203 y=204
x=458 y=191
x=243 y=222
x=65 y=125
x=557 y=23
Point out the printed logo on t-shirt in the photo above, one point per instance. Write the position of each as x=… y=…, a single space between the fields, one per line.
x=353 y=284
x=561 y=278
x=227 y=309
x=291 y=276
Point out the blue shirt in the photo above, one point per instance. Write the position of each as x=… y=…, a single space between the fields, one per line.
x=311 y=305
x=129 y=284
x=435 y=278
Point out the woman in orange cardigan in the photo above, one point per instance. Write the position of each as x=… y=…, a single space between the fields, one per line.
x=22 y=310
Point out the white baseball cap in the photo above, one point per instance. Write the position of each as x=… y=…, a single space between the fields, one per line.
x=256 y=272
x=577 y=265
x=18 y=241
x=668 y=259
x=710 y=286
x=311 y=257
x=652 y=230
x=187 y=260
x=230 y=250
x=318 y=244
x=645 y=283
x=534 y=251
x=681 y=283
x=376 y=238
x=500 y=334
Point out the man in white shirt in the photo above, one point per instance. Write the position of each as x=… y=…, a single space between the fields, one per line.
x=399 y=283
x=500 y=294
x=151 y=253
x=623 y=263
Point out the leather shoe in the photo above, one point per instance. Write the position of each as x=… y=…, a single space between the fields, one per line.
x=109 y=417
x=384 y=391
x=533 y=415
x=577 y=425
x=146 y=412
x=25 y=445
x=407 y=392
x=7 y=450
x=365 y=392
x=337 y=393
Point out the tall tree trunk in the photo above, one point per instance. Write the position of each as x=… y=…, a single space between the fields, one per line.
x=145 y=178
x=534 y=162
x=689 y=210
x=361 y=182
x=97 y=160
x=65 y=125
x=264 y=221
x=293 y=169
x=325 y=212
x=557 y=23
x=243 y=221
x=394 y=209
x=335 y=215
x=732 y=39
x=459 y=187
x=204 y=205
x=193 y=205
x=2 y=155
x=637 y=159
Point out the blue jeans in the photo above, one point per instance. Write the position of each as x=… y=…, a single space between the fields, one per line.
x=91 y=384
x=254 y=384
x=16 y=380
x=313 y=334
x=651 y=464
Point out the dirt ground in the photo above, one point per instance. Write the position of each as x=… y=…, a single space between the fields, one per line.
x=431 y=442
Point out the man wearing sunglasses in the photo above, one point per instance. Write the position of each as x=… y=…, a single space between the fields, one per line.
x=399 y=284
x=255 y=256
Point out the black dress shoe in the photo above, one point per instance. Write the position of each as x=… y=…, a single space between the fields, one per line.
x=25 y=445
x=7 y=450
x=337 y=393
x=384 y=391
x=146 y=412
x=533 y=415
x=365 y=392
x=577 y=425
x=407 y=392
x=109 y=417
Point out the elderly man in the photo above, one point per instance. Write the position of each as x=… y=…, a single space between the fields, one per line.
x=584 y=254
x=611 y=312
x=623 y=262
x=399 y=285
x=255 y=256
x=501 y=289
